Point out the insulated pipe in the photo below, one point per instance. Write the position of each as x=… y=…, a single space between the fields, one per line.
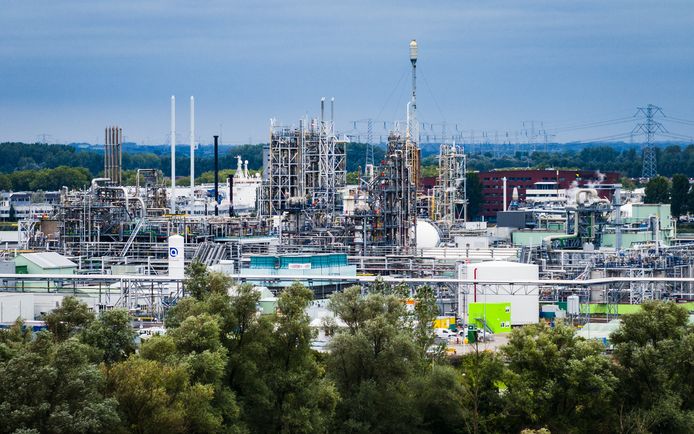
x=216 y=174
x=173 y=154
x=231 y=195
x=106 y=152
x=123 y=189
x=505 y=199
x=95 y=183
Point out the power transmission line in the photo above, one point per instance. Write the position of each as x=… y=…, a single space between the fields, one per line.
x=649 y=128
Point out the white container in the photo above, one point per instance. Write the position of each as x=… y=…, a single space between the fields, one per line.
x=176 y=256
x=573 y=306
x=524 y=298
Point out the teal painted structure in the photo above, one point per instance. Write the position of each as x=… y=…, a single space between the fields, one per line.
x=303 y=268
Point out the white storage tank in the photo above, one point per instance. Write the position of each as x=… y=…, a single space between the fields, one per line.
x=524 y=299
x=573 y=306
x=176 y=256
x=428 y=235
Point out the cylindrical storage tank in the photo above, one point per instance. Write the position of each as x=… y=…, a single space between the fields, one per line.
x=524 y=298
x=572 y=305
x=176 y=256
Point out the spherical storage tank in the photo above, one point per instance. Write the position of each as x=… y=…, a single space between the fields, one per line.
x=176 y=256
x=428 y=235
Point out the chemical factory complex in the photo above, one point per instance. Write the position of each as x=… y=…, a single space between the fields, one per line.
x=552 y=243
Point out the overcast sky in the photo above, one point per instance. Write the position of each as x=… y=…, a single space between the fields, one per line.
x=70 y=68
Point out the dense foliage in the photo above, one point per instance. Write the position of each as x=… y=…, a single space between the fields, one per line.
x=21 y=162
x=670 y=160
x=223 y=368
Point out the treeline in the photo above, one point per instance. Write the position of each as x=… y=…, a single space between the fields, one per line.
x=670 y=160
x=678 y=193
x=222 y=368
x=45 y=179
x=19 y=157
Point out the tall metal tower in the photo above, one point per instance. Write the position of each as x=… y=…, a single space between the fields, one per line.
x=649 y=128
x=370 y=141
x=412 y=136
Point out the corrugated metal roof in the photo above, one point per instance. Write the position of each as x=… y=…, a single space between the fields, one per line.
x=49 y=260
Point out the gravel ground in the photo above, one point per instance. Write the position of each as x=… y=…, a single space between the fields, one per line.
x=493 y=343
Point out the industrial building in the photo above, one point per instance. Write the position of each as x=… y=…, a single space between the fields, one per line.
x=498 y=186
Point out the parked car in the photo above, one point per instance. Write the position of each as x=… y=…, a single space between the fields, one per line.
x=444 y=333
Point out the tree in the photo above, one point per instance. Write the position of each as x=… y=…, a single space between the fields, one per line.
x=248 y=337
x=483 y=404
x=374 y=360
x=266 y=361
x=475 y=198
x=53 y=387
x=195 y=345
x=424 y=313
x=111 y=334
x=303 y=401
x=690 y=200
x=5 y=182
x=66 y=320
x=657 y=190
x=201 y=282
x=680 y=188
x=158 y=397
x=559 y=381
x=654 y=349
x=377 y=357
x=13 y=340
x=627 y=183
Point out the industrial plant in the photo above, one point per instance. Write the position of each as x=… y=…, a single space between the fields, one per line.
x=552 y=243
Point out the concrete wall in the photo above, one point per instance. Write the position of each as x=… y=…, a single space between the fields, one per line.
x=14 y=306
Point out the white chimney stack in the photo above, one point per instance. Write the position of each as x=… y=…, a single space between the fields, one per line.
x=173 y=154
x=192 y=154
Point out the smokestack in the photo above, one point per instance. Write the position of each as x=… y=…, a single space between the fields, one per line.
x=216 y=174
x=120 y=155
x=322 y=110
x=173 y=154
x=192 y=154
x=113 y=156
x=107 y=152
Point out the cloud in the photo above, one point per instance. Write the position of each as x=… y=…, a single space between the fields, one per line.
x=488 y=64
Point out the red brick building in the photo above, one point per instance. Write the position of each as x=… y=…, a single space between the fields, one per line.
x=524 y=179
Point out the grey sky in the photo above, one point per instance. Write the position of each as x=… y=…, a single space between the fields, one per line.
x=69 y=68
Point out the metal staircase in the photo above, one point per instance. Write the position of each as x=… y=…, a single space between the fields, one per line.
x=131 y=239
